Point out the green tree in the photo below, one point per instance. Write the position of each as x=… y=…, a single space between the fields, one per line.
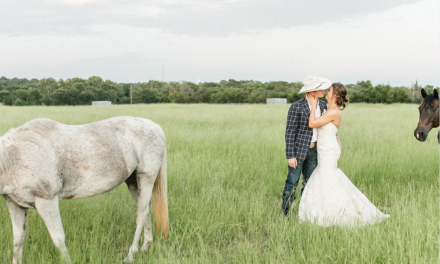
x=95 y=81
x=364 y=85
x=218 y=98
x=101 y=95
x=46 y=87
x=147 y=96
x=415 y=92
x=79 y=86
x=3 y=95
x=86 y=97
x=256 y=97
x=178 y=97
x=294 y=96
x=61 y=97
x=34 y=96
x=205 y=92
x=429 y=89
x=233 y=95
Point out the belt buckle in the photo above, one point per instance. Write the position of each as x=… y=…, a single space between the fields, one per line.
x=312 y=144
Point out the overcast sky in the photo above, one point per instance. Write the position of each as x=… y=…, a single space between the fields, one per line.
x=393 y=41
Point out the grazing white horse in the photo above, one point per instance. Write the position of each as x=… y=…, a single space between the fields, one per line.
x=43 y=162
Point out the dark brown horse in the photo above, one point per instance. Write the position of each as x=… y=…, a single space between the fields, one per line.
x=429 y=115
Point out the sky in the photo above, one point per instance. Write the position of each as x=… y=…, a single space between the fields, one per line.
x=392 y=42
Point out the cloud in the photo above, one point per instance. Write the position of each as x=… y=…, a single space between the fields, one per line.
x=183 y=17
x=108 y=67
x=134 y=66
x=398 y=46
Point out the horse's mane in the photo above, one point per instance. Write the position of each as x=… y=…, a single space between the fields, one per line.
x=32 y=131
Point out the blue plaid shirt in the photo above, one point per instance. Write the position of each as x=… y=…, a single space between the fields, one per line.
x=298 y=133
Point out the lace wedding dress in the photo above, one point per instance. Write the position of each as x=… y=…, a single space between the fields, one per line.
x=329 y=197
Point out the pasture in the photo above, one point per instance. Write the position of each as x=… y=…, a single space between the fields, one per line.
x=226 y=172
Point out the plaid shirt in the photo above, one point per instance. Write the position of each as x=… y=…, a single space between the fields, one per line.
x=298 y=133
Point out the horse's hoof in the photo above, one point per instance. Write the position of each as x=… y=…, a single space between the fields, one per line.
x=145 y=247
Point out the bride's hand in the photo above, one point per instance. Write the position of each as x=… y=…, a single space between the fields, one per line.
x=312 y=100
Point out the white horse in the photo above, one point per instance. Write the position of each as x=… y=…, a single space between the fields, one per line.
x=43 y=162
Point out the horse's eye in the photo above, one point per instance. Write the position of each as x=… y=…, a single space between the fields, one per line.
x=435 y=109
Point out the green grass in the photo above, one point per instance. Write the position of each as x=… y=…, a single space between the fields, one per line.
x=226 y=172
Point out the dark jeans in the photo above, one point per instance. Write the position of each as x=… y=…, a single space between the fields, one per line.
x=307 y=167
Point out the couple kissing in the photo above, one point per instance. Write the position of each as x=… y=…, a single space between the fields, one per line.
x=328 y=197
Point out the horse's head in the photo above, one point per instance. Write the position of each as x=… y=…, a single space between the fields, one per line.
x=429 y=115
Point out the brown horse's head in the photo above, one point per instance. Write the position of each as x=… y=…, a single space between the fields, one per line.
x=429 y=115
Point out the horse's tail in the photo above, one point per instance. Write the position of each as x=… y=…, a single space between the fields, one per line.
x=160 y=200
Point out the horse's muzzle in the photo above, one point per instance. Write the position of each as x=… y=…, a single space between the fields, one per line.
x=420 y=134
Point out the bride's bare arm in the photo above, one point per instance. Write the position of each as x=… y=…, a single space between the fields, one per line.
x=328 y=117
x=324 y=119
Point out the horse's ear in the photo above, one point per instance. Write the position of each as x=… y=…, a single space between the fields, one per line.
x=435 y=93
x=424 y=93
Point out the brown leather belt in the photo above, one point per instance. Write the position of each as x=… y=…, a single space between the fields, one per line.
x=313 y=144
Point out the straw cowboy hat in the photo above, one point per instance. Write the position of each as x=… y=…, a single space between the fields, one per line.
x=315 y=83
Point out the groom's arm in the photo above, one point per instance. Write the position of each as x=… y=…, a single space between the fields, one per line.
x=291 y=127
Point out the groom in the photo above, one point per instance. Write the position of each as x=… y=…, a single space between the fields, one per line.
x=301 y=140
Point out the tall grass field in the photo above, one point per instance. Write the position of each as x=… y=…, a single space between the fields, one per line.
x=226 y=173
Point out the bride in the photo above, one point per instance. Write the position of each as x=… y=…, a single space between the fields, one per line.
x=330 y=198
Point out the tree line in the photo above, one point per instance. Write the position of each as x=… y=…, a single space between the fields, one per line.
x=78 y=91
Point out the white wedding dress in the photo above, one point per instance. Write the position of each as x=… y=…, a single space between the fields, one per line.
x=329 y=197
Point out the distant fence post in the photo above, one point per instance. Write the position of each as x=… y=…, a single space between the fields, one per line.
x=131 y=92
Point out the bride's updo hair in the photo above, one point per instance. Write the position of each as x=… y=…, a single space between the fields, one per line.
x=340 y=91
